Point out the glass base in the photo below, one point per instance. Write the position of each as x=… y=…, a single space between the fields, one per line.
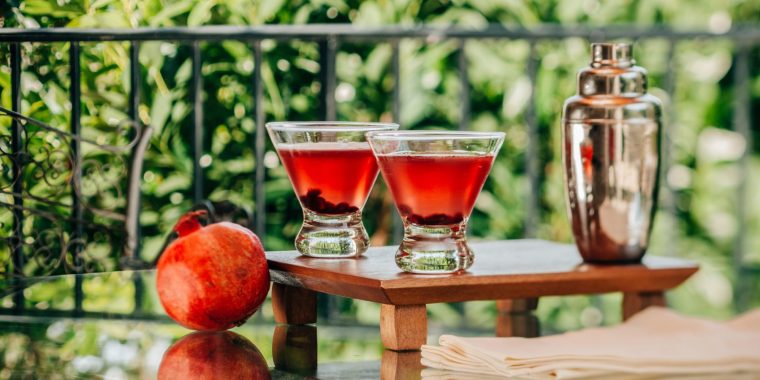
x=332 y=235
x=434 y=249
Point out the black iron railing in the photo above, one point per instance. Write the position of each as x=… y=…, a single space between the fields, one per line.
x=329 y=38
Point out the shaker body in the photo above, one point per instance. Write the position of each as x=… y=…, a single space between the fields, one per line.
x=611 y=175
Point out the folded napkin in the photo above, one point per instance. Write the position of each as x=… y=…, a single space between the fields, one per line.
x=654 y=342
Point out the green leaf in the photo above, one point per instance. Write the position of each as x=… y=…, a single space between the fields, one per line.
x=184 y=72
x=159 y=110
x=377 y=61
x=174 y=9
x=267 y=9
x=172 y=183
x=97 y=4
x=69 y=10
x=369 y=14
x=201 y=13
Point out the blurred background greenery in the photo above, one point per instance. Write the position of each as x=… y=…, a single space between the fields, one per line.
x=698 y=219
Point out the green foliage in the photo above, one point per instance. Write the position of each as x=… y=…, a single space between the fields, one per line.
x=704 y=180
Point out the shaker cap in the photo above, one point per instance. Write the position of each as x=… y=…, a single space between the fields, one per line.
x=612 y=72
x=612 y=54
x=613 y=88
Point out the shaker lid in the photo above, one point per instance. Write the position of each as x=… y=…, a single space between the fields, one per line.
x=612 y=54
x=612 y=72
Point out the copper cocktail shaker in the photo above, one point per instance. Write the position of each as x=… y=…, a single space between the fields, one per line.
x=611 y=143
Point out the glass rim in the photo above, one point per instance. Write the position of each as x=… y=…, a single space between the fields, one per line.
x=330 y=126
x=434 y=135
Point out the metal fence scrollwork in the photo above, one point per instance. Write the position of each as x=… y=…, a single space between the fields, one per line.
x=49 y=174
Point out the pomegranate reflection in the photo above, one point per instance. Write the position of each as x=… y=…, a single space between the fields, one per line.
x=213 y=355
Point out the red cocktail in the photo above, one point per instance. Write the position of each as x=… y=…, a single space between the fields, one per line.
x=332 y=169
x=330 y=178
x=435 y=178
x=435 y=189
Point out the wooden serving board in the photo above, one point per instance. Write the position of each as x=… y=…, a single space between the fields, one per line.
x=515 y=270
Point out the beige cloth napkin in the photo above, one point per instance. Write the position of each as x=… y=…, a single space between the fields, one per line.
x=654 y=342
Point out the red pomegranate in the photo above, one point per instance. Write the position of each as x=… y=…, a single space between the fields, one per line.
x=212 y=277
x=213 y=355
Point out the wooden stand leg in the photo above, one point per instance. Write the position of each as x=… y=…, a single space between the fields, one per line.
x=516 y=318
x=403 y=327
x=294 y=306
x=404 y=365
x=635 y=302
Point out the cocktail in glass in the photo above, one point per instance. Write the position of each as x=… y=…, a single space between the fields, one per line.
x=435 y=178
x=332 y=169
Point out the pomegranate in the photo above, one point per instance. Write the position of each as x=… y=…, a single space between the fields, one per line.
x=213 y=355
x=212 y=277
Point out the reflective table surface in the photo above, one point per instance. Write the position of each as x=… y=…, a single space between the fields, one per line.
x=111 y=325
x=115 y=328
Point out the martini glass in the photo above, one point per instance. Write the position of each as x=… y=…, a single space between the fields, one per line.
x=435 y=178
x=332 y=169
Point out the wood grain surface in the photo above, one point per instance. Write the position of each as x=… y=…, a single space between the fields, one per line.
x=506 y=269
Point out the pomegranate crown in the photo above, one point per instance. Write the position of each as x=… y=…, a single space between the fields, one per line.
x=189 y=222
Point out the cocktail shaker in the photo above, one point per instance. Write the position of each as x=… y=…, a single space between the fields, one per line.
x=611 y=153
